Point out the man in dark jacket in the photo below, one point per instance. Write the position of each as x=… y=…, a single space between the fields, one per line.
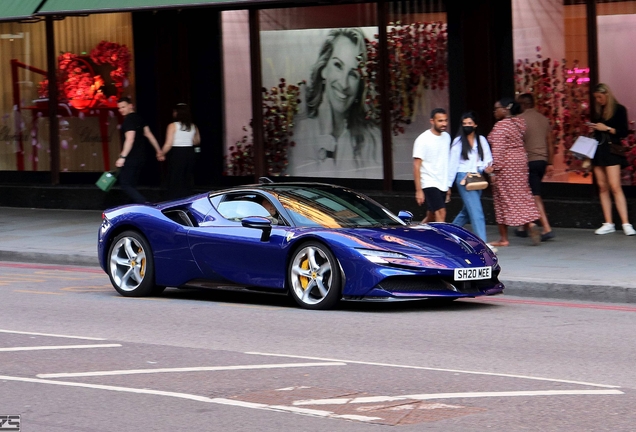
x=131 y=158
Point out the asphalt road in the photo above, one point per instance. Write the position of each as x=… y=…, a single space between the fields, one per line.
x=75 y=356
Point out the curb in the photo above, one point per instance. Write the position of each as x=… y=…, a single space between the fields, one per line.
x=574 y=291
x=49 y=258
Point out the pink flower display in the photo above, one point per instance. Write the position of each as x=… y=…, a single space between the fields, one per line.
x=418 y=54
x=562 y=94
x=280 y=105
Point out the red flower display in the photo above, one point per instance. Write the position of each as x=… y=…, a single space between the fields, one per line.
x=116 y=55
x=79 y=84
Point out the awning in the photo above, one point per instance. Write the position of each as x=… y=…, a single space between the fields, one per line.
x=13 y=10
x=72 y=7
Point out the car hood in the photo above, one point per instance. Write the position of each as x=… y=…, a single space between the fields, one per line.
x=436 y=245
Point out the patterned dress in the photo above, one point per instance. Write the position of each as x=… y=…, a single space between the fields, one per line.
x=514 y=204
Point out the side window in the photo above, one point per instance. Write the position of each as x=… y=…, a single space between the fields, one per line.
x=238 y=206
x=239 y=209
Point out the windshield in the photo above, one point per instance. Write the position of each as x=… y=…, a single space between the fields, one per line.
x=332 y=207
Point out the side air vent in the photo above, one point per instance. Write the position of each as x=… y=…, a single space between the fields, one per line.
x=181 y=217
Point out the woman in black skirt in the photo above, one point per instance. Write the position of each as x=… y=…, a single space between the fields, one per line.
x=181 y=137
x=610 y=128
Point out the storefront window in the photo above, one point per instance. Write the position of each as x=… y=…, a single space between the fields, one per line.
x=418 y=72
x=237 y=87
x=95 y=68
x=550 y=48
x=317 y=119
x=616 y=23
x=22 y=62
x=320 y=71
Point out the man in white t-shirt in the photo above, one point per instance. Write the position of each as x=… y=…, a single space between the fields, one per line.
x=430 y=167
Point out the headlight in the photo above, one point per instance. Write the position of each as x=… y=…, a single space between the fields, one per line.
x=381 y=256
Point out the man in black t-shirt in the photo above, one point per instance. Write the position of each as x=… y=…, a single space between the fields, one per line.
x=131 y=158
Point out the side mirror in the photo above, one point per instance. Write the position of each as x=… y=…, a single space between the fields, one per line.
x=406 y=216
x=258 y=222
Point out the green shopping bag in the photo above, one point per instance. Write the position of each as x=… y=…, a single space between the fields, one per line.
x=107 y=180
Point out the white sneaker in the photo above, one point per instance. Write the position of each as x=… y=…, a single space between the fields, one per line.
x=629 y=230
x=492 y=248
x=606 y=228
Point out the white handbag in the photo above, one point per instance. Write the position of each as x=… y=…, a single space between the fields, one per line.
x=584 y=147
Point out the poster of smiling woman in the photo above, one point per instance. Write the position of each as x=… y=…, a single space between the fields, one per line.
x=333 y=135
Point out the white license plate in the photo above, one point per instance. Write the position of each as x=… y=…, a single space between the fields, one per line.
x=476 y=273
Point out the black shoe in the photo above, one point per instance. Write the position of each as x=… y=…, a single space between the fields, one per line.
x=547 y=236
x=521 y=233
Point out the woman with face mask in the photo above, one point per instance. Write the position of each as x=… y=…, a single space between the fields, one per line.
x=469 y=153
x=334 y=137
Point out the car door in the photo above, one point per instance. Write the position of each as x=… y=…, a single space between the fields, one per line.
x=230 y=252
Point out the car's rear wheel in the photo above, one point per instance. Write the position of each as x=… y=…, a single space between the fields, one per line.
x=131 y=265
x=314 y=277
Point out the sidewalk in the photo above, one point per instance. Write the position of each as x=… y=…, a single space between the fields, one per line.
x=576 y=265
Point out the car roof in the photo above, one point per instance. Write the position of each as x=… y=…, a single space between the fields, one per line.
x=274 y=186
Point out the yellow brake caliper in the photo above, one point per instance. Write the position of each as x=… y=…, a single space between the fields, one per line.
x=142 y=271
x=304 y=281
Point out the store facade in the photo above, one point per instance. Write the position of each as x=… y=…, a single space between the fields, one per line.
x=65 y=64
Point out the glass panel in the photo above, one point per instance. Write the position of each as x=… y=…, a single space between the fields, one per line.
x=418 y=54
x=317 y=120
x=616 y=59
x=237 y=86
x=332 y=207
x=321 y=95
x=550 y=48
x=95 y=68
x=22 y=66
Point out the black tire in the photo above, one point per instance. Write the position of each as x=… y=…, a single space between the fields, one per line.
x=157 y=290
x=313 y=277
x=131 y=266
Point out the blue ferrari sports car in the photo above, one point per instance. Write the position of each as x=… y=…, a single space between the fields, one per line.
x=318 y=242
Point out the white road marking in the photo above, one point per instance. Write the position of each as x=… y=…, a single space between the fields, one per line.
x=57 y=347
x=436 y=369
x=376 y=399
x=187 y=369
x=51 y=335
x=219 y=401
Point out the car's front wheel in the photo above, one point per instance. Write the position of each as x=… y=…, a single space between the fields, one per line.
x=314 y=277
x=131 y=265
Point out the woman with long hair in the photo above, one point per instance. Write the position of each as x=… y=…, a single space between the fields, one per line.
x=514 y=204
x=181 y=137
x=469 y=153
x=610 y=127
x=334 y=137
